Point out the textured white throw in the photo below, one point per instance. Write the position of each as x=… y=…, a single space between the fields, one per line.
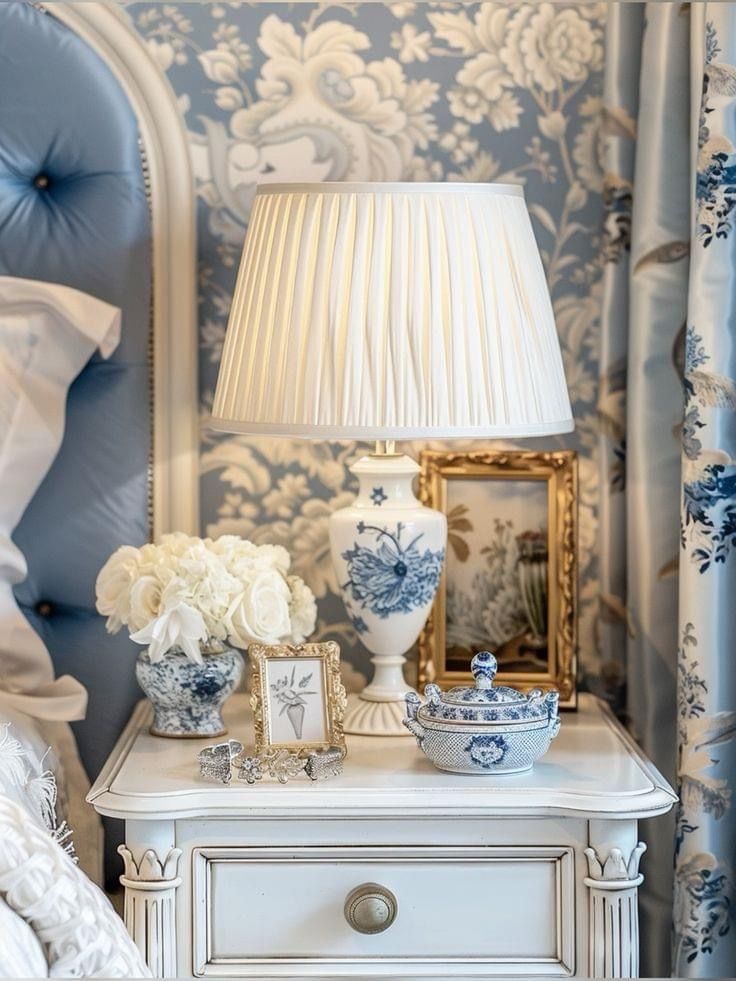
x=21 y=954
x=81 y=934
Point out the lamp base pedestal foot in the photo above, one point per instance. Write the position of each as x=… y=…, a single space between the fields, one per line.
x=364 y=717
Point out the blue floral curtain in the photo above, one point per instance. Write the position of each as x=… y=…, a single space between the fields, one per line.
x=705 y=857
x=668 y=441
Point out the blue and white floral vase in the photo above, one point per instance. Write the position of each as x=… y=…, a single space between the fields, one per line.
x=189 y=601
x=187 y=696
x=388 y=551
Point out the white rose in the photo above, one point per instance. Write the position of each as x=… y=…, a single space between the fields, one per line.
x=145 y=602
x=113 y=586
x=302 y=609
x=261 y=612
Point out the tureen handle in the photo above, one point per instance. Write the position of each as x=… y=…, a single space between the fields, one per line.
x=412 y=704
x=433 y=694
x=484 y=667
x=552 y=700
x=411 y=722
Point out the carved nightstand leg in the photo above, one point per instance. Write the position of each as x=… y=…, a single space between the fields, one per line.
x=150 y=906
x=613 y=881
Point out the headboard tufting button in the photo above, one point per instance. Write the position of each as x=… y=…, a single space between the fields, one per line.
x=41 y=182
x=44 y=608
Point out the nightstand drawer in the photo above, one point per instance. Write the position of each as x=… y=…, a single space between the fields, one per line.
x=258 y=910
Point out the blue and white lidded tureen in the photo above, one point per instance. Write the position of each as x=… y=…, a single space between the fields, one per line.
x=485 y=729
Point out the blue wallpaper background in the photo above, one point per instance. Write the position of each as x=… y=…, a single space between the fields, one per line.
x=388 y=91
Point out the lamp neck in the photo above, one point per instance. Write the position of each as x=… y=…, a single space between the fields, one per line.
x=385 y=447
x=386 y=482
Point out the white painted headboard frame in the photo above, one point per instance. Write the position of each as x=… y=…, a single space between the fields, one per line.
x=108 y=31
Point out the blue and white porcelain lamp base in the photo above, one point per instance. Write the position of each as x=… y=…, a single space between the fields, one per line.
x=388 y=551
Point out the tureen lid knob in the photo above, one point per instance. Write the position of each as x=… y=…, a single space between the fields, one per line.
x=484 y=667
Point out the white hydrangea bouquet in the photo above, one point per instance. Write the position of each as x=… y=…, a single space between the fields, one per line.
x=190 y=594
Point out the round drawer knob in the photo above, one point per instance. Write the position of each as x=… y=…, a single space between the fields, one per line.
x=370 y=908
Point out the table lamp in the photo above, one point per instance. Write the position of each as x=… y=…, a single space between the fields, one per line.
x=385 y=312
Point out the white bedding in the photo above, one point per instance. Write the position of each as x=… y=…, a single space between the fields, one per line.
x=48 y=332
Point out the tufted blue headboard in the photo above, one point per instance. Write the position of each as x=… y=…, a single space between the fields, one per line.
x=74 y=210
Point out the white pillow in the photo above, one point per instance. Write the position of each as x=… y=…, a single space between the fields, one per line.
x=21 y=954
x=82 y=935
x=47 y=334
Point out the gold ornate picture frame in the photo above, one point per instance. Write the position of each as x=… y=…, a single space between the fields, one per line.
x=509 y=584
x=297 y=696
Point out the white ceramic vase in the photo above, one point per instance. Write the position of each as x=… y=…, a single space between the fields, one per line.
x=388 y=551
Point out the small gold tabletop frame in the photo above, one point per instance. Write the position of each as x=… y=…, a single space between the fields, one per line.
x=292 y=685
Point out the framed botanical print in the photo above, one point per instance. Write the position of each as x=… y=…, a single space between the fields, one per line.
x=510 y=579
x=297 y=697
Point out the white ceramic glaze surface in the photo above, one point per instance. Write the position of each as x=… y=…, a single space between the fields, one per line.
x=388 y=551
x=485 y=729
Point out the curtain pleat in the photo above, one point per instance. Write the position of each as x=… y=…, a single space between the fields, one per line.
x=657 y=311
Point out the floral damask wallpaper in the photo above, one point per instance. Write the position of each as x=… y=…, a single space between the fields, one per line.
x=386 y=91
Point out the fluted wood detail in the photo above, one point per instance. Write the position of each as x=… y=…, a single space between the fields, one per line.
x=150 y=906
x=614 y=914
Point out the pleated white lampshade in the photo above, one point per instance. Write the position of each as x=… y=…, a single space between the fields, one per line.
x=387 y=311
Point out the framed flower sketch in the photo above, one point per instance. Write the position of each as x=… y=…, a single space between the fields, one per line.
x=297 y=697
x=510 y=579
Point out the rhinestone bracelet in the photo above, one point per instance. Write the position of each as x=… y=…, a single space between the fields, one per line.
x=215 y=763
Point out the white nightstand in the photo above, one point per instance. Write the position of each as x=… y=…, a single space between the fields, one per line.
x=523 y=874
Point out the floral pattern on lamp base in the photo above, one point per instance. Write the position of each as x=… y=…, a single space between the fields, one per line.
x=187 y=697
x=388 y=551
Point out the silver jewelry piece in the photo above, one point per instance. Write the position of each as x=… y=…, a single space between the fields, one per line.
x=215 y=761
x=324 y=763
x=250 y=769
x=282 y=764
